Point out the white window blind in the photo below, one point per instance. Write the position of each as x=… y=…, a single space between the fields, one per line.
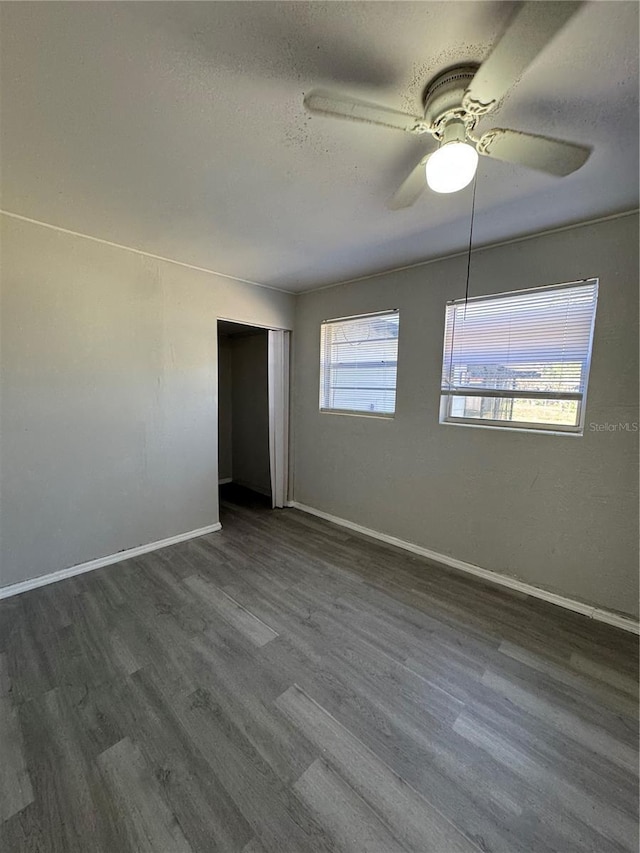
x=358 y=364
x=520 y=358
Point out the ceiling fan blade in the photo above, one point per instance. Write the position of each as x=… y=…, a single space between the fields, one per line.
x=536 y=152
x=528 y=33
x=411 y=188
x=338 y=106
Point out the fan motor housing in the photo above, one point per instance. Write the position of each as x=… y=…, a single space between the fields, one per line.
x=443 y=98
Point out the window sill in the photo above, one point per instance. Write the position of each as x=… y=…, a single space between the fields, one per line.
x=373 y=415
x=534 y=430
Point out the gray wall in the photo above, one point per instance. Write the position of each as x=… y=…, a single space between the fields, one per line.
x=559 y=512
x=225 y=409
x=250 y=395
x=108 y=392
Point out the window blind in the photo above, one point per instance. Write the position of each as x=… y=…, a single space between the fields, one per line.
x=525 y=345
x=358 y=364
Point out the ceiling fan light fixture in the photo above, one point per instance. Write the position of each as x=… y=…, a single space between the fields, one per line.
x=451 y=167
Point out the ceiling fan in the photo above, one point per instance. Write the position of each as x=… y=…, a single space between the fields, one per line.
x=457 y=98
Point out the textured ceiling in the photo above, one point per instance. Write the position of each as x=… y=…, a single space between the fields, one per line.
x=178 y=129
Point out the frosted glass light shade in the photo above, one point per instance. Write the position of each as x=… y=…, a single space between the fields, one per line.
x=452 y=167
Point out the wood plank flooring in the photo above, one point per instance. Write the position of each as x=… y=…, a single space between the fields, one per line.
x=287 y=685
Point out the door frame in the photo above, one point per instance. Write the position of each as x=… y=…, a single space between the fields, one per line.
x=285 y=414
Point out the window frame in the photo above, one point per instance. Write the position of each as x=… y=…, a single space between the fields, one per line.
x=577 y=430
x=323 y=386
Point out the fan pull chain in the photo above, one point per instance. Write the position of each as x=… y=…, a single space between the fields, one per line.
x=473 y=207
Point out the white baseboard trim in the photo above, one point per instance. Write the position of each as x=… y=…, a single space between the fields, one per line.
x=225 y=480
x=611 y=618
x=81 y=568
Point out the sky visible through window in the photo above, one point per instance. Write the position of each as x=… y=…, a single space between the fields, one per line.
x=534 y=345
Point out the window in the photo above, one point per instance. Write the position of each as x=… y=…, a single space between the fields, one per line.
x=519 y=359
x=358 y=364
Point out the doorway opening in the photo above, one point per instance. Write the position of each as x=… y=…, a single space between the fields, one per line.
x=253 y=416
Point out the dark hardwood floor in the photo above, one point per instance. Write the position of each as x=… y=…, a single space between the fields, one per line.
x=286 y=685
